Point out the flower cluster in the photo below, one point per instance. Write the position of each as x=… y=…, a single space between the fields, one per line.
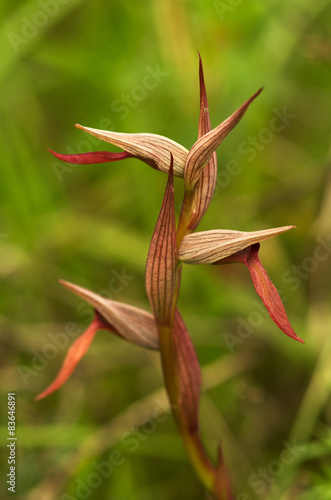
x=172 y=245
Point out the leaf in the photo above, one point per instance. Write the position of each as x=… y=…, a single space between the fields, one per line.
x=189 y=376
x=223 y=490
x=161 y=264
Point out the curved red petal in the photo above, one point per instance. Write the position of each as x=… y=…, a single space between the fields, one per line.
x=74 y=355
x=92 y=157
x=268 y=292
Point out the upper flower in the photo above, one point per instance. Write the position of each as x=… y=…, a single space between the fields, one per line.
x=155 y=149
x=170 y=246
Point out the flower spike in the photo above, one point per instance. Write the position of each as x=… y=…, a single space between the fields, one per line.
x=164 y=330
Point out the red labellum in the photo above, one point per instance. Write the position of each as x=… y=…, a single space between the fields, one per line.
x=92 y=157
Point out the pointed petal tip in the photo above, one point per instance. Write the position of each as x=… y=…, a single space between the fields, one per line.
x=44 y=394
x=59 y=156
x=86 y=129
x=294 y=336
x=200 y=59
x=82 y=292
x=73 y=356
x=282 y=229
x=67 y=284
x=254 y=96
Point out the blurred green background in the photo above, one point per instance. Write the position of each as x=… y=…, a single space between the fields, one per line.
x=265 y=396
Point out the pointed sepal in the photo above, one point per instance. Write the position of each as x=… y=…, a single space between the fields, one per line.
x=189 y=375
x=205 y=187
x=152 y=149
x=208 y=247
x=226 y=247
x=202 y=150
x=131 y=323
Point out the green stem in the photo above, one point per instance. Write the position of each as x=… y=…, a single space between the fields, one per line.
x=195 y=450
x=200 y=461
x=185 y=217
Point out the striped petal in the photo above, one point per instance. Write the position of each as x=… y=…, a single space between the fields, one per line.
x=162 y=258
x=208 y=247
x=205 y=187
x=153 y=149
x=132 y=324
x=202 y=150
x=226 y=247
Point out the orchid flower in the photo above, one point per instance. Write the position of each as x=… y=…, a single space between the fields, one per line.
x=226 y=247
x=172 y=245
x=132 y=324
